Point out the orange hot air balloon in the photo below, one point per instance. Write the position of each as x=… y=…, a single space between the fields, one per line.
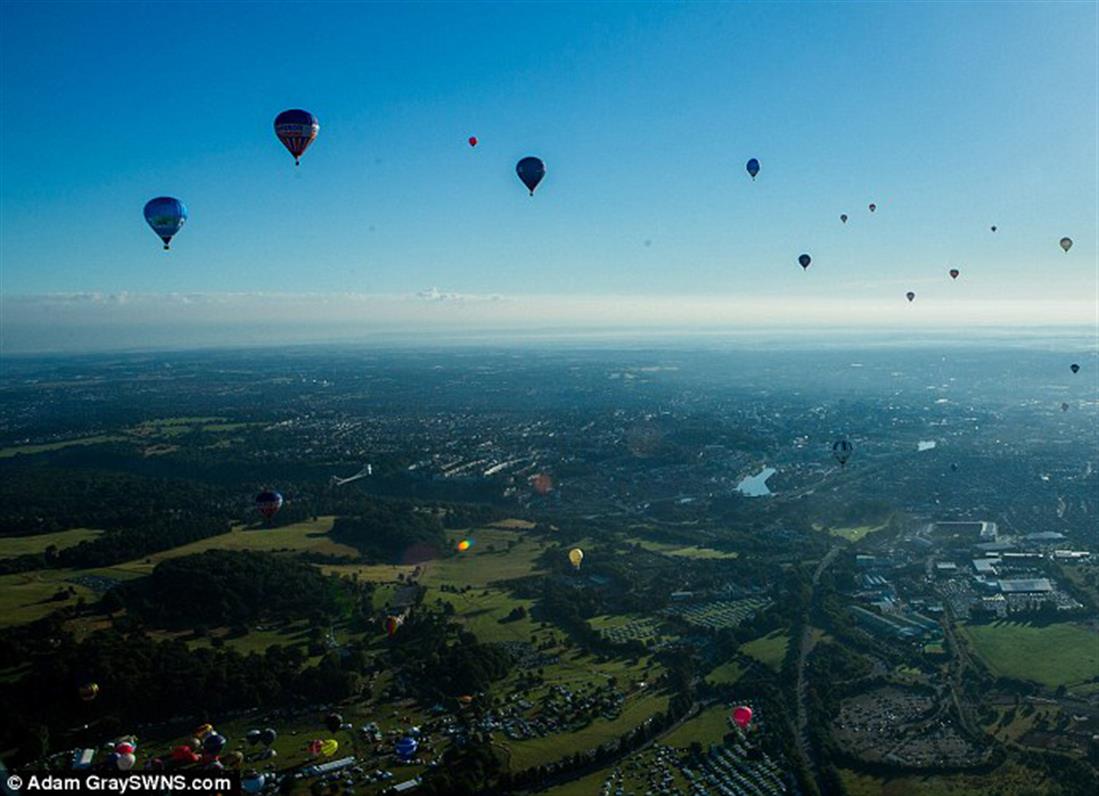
x=742 y=716
x=464 y=544
x=542 y=483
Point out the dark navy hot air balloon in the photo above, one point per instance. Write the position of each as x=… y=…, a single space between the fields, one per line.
x=166 y=215
x=843 y=217
x=804 y=260
x=531 y=170
x=268 y=503
x=842 y=450
x=1074 y=368
x=910 y=295
x=297 y=129
x=752 y=167
x=954 y=272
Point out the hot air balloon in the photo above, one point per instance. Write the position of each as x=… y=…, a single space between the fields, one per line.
x=993 y=227
x=125 y=761
x=252 y=737
x=314 y=746
x=166 y=215
x=233 y=759
x=843 y=217
x=576 y=557
x=125 y=748
x=473 y=140
x=329 y=747
x=542 y=483
x=954 y=467
x=753 y=167
x=89 y=691
x=391 y=625
x=1064 y=406
x=954 y=273
x=406 y=747
x=873 y=207
x=1066 y=244
x=1074 y=368
x=252 y=782
x=202 y=730
x=184 y=754
x=910 y=296
x=214 y=743
x=464 y=544
x=466 y=700
x=742 y=715
x=268 y=736
x=297 y=129
x=268 y=503
x=531 y=170
x=333 y=721
x=804 y=260
x=842 y=449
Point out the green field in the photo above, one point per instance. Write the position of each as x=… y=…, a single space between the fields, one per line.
x=684 y=551
x=11 y=546
x=1007 y=780
x=769 y=650
x=1052 y=655
x=27 y=450
x=725 y=673
x=708 y=727
x=853 y=534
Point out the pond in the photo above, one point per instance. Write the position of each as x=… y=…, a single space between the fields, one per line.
x=756 y=485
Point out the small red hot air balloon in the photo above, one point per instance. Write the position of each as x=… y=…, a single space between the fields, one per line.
x=954 y=273
x=473 y=140
x=742 y=716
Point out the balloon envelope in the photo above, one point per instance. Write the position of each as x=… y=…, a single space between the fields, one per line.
x=473 y=140
x=391 y=625
x=252 y=737
x=954 y=273
x=126 y=761
x=329 y=747
x=576 y=557
x=753 y=167
x=742 y=715
x=268 y=503
x=268 y=736
x=841 y=450
x=1064 y=407
x=166 y=215
x=297 y=129
x=1066 y=244
x=910 y=295
x=1074 y=368
x=843 y=217
x=804 y=260
x=89 y=691
x=202 y=730
x=252 y=782
x=333 y=721
x=214 y=743
x=873 y=207
x=531 y=170
x=406 y=747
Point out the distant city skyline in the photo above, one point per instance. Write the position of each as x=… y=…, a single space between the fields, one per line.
x=950 y=117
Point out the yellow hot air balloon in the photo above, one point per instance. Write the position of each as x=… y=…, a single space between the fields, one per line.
x=576 y=555
x=329 y=747
x=233 y=759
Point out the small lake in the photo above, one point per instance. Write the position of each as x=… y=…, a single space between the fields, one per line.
x=925 y=445
x=756 y=485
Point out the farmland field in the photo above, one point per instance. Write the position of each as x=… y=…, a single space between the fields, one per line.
x=11 y=546
x=768 y=650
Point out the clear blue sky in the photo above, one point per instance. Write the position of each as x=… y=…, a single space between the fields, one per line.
x=950 y=116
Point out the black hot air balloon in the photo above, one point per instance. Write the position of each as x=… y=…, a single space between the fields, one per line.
x=804 y=260
x=1074 y=368
x=841 y=450
x=531 y=170
x=843 y=217
x=910 y=295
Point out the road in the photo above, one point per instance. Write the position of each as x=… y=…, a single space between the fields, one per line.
x=807 y=643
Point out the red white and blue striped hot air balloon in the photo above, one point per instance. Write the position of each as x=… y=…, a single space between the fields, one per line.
x=297 y=129
x=166 y=215
x=268 y=503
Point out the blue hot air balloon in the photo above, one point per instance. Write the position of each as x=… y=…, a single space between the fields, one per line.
x=753 y=167
x=166 y=215
x=214 y=743
x=252 y=782
x=531 y=170
x=406 y=747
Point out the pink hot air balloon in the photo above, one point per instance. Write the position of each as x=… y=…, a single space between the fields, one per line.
x=742 y=716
